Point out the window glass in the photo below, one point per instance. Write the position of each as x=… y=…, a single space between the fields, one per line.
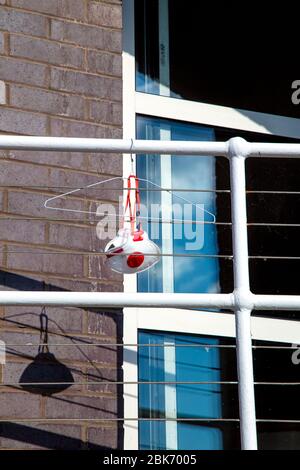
x=170 y=358
x=194 y=268
x=173 y=59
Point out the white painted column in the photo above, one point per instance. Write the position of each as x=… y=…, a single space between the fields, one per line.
x=238 y=151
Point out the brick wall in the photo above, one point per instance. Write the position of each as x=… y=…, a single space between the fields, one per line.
x=60 y=75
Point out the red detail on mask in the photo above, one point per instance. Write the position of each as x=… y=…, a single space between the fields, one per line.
x=138 y=236
x=135 y=260
x=113 y=253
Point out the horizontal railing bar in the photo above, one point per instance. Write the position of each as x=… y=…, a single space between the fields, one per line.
x=273 y=150
x=213 y=191
x=148 y=300
x=88 y=222
x=152 y=190
x=27 y=384
x=163 y=300
x=107 y=420
x=276 y=302
x=116 y=299
x=165 y=346
x=105 y=382
x=102 y=253
x=121 y=345
x=269 y=224
x=70 y=144
x=160 y=255
x=99 y=420
x=279 y=193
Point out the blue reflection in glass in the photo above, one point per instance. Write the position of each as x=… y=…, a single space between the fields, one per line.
x=196 y=364
x=191 y=275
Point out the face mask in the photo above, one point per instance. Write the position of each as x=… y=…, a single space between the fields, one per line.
x=131 y=253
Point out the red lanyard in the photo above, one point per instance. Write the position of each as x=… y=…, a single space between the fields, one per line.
x=135 y=210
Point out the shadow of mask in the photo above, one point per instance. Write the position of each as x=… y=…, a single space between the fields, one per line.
x=46 y=375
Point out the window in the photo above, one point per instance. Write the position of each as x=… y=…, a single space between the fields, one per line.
x=158 y=89
x=183 y=359
x=185 y=273
x=174 y=52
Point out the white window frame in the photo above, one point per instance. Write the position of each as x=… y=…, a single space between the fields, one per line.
x=174 y=320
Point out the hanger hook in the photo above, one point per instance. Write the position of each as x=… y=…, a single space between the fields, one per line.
x=131 y=156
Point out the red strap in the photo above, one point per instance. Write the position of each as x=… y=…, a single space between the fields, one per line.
x=135 y=210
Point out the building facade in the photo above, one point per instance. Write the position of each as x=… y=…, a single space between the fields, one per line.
x=61 y=75
x=109 y=69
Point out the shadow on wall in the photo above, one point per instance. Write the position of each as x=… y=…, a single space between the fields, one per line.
x=47 y=376
x=42 y=438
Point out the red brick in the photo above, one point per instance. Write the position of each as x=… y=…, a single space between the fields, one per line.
x=98 y=269
x=46 y=102
x=1 y=43
x=22 y=72
x=46 y=51
x=118 y=2
x=26 y=231
x=72 y=285
x=20 y=174
x=71 y=160
x=109 y=191
x=32 y=204
x=96 y=377
x=28 y=436
x=104 y=323
x=21 y=122
x=65 y=9
x=106 y=113
x=60 y=319
x=86 y=84
x=78 y=238
x=108 y=163
x=81 y=407
x=93 y=285
x=25 y=346
x=94 y=37
x=1 y=255
x=21 y=22
x=19 y=405
x=68 y=128
x=104 y=436
x=106 y=287
x=36 y=260
x=103 y=14
x=105 y=63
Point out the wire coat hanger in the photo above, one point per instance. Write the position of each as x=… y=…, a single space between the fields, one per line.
x=98 y=183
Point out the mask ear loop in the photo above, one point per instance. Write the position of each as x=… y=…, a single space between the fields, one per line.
x=137 y=202
x=128 y=190
x=135 y=208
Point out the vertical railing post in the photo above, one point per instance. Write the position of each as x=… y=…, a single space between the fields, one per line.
x=238 y=152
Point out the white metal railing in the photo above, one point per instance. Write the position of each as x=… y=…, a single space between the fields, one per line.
x=241 y=301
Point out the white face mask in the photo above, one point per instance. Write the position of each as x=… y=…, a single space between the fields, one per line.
x=130 y=254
